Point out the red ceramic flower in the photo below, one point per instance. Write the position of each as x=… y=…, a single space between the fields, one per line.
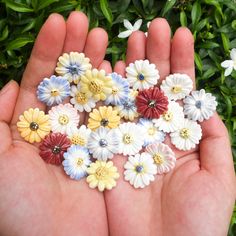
x=53 y=147
x=151 y=103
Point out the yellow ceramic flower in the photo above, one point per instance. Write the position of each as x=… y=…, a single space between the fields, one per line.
x=95 y=83
x=102 y=174
x=33 y=125
x=104 y=116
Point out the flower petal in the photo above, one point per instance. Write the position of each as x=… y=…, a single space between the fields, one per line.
x=125 y=34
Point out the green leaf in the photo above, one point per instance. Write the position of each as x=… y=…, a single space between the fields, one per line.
x=198 y=61
x=216 y=4
x=209 y=45
x=233 y=24
x=19 y=42
x=106 y=10
x=201 y=24
x=44 y=3
x=196 y=12
x=4 y=34
x=183 y=18
x=19 y=7
x=225 y=41
x=168 y=6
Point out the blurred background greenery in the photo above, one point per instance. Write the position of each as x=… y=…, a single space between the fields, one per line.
x=213 y=24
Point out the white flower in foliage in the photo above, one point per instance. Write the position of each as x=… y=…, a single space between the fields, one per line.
x=230 y=65
x=130 y=28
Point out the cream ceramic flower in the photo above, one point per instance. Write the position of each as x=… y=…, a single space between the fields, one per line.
x=230 y=65
x=102 y=175
x=199 y=105
x=63 y=118
x=140 y=170
x=163 y=157
x=142 y=75
x=72 y=66
x=177 y=86
x=130 y=28
x=131 y=138
x=187 y=136
x=170 y=120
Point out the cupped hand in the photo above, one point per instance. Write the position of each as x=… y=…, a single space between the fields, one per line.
x=38 y=198
x=197 y=196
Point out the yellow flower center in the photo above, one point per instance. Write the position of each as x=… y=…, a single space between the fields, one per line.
x=101 y=173
x=176 y=89
x=81 y=98
x=54 y=92
x=127 y=139
x=78 y=140
x=168 y=116
x=151 y=131
x=79 y=162
x=158 y=159
x=63 y=119
x=184 y=133
x=114 y=91
x=95 y=87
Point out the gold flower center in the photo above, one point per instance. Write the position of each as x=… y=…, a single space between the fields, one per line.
x=176 y=89
x=184 y=133
x=81 y=98
x=101 y=173
x=63 y=119
x=158 y=159
x=34 y=126
x=54 y=92
x=168 y=116
x=151 y=131
x=95 y=87
x=127 y=139
x=79 y=162
x=114 y=91
x=77 y=140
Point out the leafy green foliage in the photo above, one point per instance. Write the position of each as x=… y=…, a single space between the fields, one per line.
x=212 y=23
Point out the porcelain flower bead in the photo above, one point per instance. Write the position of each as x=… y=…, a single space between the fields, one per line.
x=151 y=103
x=177 y=86
x=131 y=138
x=103 y=143
x=120 y=90
x=53 y=90
x=102 y=175
x=76 y=162
x=33 y=125
x=103 y=116
x=72 y=66
x=171 y=119
x=140 y=170
x=163 y=157
x=130 y=28
x=187 y=136
x=53 y=147
x=96 y=84
x=63 y=118
x=230 y=65
x=142 y=75
x=199 y=105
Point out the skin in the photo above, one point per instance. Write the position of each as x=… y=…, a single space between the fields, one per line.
x=196 y=198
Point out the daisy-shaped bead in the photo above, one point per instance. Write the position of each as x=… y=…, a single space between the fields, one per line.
x=187 y=136
x=33 y=125
x=177 y=86
x=127 y=109
x=120 y=90
x=63 y=118
x=171 y=119
x=151 y=103
x=96 y=84
x=80 y=100
x=152 y=133
x=140 y=170
x=102 y=175
x=79 y=136
x=76 y=162
x=53 y=90
x=103 y=143
x=142 y=75
x=72 y=66
x=163 y=157
x=131 y=138
x=103 y=116
x=199 y=105
x=53 y=147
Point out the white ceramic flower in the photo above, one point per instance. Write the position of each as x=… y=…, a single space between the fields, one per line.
x=152 y=133
x=163 y=157
x=131 y=138
x=199 y=105
x=130 y=28
x=230 y=65
x=103 y=143
x=76 y=162
x=63 y=118
x=140 y=170
x=142 y=75
x=187 y=136
x=177 y=86
x=79 y=136
x=170 y=120
x=80 y=100
x=148 y=24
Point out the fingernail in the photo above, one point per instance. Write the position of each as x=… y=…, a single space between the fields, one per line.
x=5 y=88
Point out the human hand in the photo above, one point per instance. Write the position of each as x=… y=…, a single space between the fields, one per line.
x=37 y=198
x=197 y=196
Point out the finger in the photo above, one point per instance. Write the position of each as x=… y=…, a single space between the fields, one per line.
x=105 y=65
x=119 y=68
x=42 y=62
x=96 y=45
x=182 y=53
x=158 y=45
x=136 y=47
x=76 y=32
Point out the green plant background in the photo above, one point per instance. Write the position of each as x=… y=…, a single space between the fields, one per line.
x=213 y=24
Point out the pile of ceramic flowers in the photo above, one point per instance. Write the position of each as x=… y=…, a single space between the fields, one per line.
x=126 y=117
